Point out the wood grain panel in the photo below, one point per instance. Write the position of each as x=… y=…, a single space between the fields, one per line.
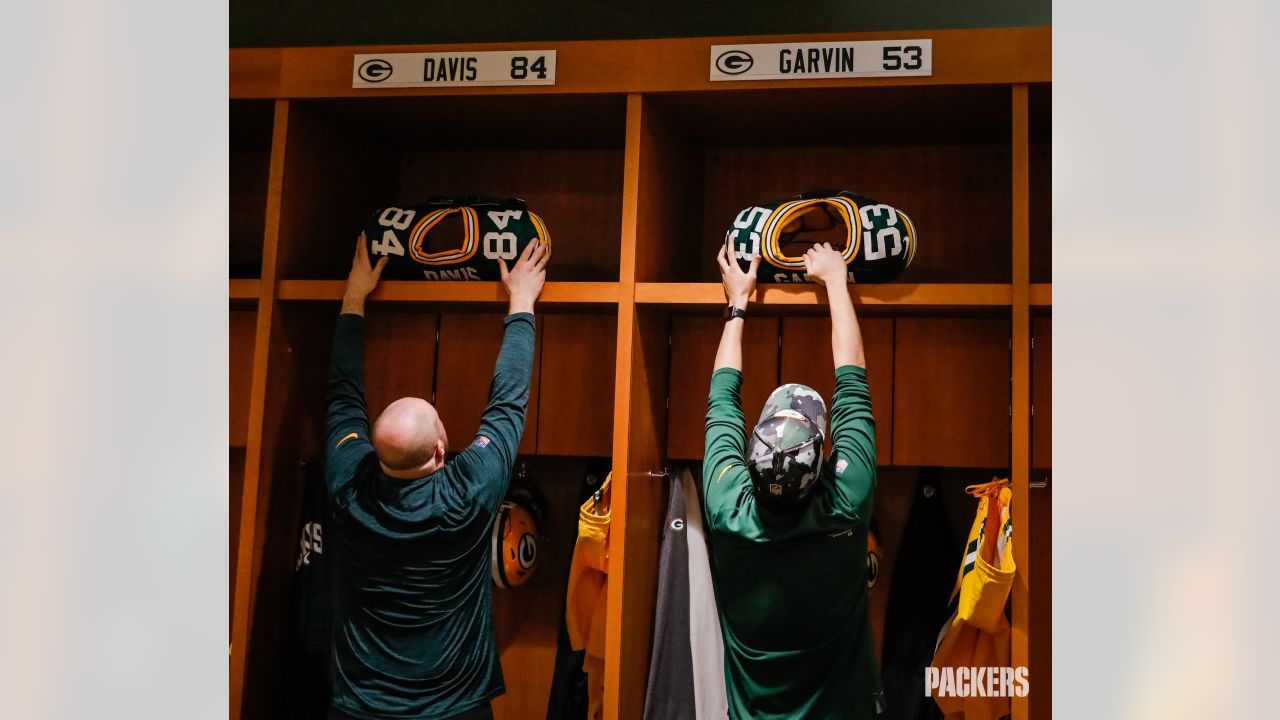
x=575 y=412
x=243 y=328
x=1040 y=598
x=247 y=211
x=235 y=486
x=1041 y=198
x=694 y=340
x=958 y=197
x=951 y=392
x=337 y=175
x=638 y=503
x=1040 y=180
x=577 y=192
x=1020 y=387
x=469 y=345
x=1042 y=393
x=669 y=194
x=249 y=163
x=806 y=358
x=399 y=358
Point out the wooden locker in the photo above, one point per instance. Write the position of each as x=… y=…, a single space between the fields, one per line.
x=1042 y=393
x=399 y=358
x=243 y=328
x=469 y=344
x=806 y=358
x=576 y=410
x=694 y=340
x=652 y=167
x=951 y=392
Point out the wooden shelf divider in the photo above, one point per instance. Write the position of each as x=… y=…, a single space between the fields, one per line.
x=887 y=295
x=244 y=289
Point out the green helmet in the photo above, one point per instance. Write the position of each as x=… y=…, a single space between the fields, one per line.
x=785 y=455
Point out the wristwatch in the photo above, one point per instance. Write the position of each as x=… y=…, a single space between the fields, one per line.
x=732 y=312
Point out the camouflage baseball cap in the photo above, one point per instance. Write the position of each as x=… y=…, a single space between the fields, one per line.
x=785 y=453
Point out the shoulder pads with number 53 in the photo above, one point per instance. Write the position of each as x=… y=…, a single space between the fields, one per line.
x=492 y=228
x=879 y=243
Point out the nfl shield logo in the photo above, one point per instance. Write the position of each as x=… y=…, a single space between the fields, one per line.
x=775 y=489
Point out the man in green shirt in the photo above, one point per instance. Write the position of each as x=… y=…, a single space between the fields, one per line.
x=415 y=635
x=788 y=531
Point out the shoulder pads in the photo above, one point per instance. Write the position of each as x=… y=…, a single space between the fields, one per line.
x=493 y=228
x=879 y=244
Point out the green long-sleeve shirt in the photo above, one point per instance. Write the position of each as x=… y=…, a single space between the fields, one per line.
x=415 y=638
x=791 y=586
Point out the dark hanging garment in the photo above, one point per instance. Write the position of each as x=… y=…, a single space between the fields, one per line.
x=923 y=576
x=670 y=694
x=569 y=699
x=314 y=592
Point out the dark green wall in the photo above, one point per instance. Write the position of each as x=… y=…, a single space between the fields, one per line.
x=274 y=23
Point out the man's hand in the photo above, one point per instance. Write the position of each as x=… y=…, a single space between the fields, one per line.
x=826 y=266
x=738 y=285
x=524 y=281
x=362 y=280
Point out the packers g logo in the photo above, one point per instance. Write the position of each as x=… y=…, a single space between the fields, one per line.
x=374 y=70
x=734 y=62
x=873 y=568
x=528 y=551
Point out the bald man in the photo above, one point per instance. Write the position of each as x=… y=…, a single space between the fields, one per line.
x=415 y=635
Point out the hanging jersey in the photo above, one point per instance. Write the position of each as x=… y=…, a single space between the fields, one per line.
x=314 y=592
x=670 y=693
x=587 y=595
x=492 y=229
x=880 y=240
x=978 y=634
x=917 y=604
x=706 y=644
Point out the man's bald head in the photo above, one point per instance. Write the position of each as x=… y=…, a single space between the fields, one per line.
x=410 y=439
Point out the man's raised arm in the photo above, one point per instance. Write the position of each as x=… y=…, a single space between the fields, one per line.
x=853 y=428
x=725 y=441
x=347 y=418
x=503 y=420
x=826 y=266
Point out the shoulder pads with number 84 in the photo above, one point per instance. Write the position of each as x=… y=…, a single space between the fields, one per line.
x=493 y=228
x=879 y=241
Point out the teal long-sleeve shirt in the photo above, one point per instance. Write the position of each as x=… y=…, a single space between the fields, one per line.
x=791 y=586
x=415 y=637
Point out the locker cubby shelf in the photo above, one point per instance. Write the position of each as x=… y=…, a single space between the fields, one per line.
x=886 y=295
x=248 y=162
x=941 y=155
x=637 y=169
x=554 y=293
x=244 y=289
x=562 y=154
